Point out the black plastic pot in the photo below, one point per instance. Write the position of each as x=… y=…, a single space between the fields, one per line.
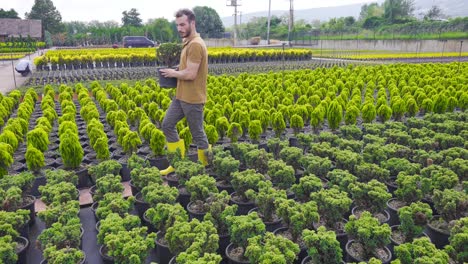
x=394 y=219
x=172 y=181
x=40 y=180
x=166 y=82
x=94 y=207
x=270 y=226
x=159 y=162
x=391 y=186
x=184 y=197
x=342 y=237
x=22 y=252
x=437 y=236
x=135 y=190
x=303 y=251
x=125 y=172
x=228 y=188
x=193 y=214
x=162 y=251
x=173 y=260
x=106 y=259
x=243 y=208
x=147 y=223
x=224 y=241
x=31 y=207
x=351 y=258
x=229 y=248
x=394 y=243
x=140 y=205
x=385 y=212
x=306 y=260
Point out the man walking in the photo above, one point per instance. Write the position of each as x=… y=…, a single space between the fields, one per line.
x=191 y=93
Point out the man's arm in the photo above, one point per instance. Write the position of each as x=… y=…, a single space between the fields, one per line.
x=187 y=74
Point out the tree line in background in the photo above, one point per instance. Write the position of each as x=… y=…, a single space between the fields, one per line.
x=78 y=33
x=390 y=17
x=395 y=17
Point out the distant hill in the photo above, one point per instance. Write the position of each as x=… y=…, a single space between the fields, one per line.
x=451 y=8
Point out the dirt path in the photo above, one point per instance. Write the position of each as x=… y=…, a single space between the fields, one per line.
x=7 y=81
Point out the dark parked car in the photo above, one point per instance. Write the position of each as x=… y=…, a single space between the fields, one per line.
x=137 y=41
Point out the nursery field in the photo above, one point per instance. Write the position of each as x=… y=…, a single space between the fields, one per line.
x=384 y=55
x=74 y=59
x=140 y=73
x=326 y=165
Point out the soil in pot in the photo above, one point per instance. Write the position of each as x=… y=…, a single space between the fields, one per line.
x=284 y=232
x=243 y=207
x=341 y=235
x=383 y=217
x=398 y=237
x=196 y=211
x=355 y=253
x=393 y=205
x=269 y=225
x=236 y=255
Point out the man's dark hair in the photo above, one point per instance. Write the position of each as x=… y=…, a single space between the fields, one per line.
x=189 y=13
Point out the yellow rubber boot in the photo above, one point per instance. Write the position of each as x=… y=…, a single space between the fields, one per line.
x=172 y=147
x=203 y=155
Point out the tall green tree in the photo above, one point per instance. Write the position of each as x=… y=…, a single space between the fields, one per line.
x=8 y=14
x=434 y=13
x=398 y=11
x=51 y=19
x=209 y=24
x=370 y=10
x=160 y=29
x=131 y=18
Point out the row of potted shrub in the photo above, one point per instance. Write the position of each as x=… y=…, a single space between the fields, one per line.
x=70 y=148
x=38 y=138
x=60 y=241
x=15 y=130
x=8 y=104
x=95 y=129
x=16 y=215
x=202 y=187
x=137 y=117
x=77 y=59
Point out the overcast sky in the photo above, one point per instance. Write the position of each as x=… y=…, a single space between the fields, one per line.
x=105 y=10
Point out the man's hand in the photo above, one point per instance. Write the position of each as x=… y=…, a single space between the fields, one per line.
x=187 y=74
x=169 y=73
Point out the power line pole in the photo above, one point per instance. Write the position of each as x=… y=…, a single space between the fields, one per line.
x=269 y=19
x=291 y=21
x=235 y=4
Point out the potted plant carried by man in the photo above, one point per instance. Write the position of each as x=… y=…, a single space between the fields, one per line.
x=167 y=56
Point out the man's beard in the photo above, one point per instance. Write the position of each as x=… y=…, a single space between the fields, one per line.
x=187 y=33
